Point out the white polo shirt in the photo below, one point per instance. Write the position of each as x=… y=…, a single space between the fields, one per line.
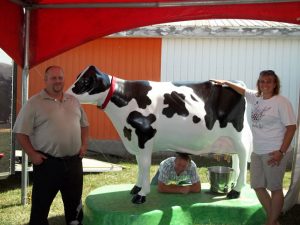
x=53 y=127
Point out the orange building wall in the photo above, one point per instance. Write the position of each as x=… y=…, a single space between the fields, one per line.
x=127 y=58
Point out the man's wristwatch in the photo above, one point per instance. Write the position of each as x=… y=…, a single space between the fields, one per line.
x=282 y=153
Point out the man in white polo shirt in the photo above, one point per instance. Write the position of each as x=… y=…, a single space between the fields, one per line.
x=52 y=129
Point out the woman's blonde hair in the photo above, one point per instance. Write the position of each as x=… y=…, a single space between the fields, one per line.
x=271 y=73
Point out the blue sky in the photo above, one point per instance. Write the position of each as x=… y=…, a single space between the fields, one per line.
x=4 y=58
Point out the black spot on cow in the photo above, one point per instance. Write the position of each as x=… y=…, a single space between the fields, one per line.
x=201 y=89
x=142 y=125
x=225 y=105
x=128 y=90
x=220 y=103
x=92 y=81
x=194 y=99
x=176 y=104
x=127 y=133
x=196 y=119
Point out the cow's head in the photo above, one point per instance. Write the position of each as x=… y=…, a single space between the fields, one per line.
x=91 y=85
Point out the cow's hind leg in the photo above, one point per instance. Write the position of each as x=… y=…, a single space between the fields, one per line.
x=142 y=187
x=241 y=181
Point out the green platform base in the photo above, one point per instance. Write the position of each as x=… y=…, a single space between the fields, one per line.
x=111 y=205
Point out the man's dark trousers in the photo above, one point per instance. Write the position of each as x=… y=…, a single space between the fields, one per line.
x=53 y=175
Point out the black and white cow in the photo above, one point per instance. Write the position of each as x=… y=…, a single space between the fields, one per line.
x=189 y=117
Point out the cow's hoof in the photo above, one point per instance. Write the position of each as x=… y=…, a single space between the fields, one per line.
x=138 y=199
x=233 y=194
x=135 y=190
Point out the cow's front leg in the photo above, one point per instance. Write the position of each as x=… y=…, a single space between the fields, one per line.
x=136 y=189
x=138 y=186
x=142 y=187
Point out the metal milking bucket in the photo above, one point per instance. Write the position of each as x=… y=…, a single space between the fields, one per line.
x=221 y=179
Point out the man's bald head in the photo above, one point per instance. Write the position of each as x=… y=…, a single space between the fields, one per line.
x=53 y=69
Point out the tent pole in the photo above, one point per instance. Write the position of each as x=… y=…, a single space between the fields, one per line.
x=144 y=4
x=25 y=76
x=293 y=195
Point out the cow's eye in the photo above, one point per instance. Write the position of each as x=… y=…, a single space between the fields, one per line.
x=82 y=81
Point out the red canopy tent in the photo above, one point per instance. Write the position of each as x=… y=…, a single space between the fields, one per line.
x=59 y=25
x=32 y=31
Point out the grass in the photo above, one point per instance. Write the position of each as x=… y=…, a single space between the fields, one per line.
x=13 y=213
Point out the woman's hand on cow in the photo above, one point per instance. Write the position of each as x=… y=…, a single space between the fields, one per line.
x=236 y=87
x=219 y=82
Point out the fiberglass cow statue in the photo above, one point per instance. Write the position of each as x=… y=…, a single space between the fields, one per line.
x=169 y=116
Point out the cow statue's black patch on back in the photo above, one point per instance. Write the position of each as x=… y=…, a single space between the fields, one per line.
x=176 y=104
x=129 y=90
x=230 y=107
x=220 y=103
x=142 y=125
x=92 y=81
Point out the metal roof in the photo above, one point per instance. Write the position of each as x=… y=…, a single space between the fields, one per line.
x=216 y=28
x=231 y=23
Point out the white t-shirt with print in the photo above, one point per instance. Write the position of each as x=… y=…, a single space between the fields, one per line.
x=269 y=120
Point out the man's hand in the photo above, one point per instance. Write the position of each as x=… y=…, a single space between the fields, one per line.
x=37 y=158
x=82 y=151
x=84 y=141
x=184 y=189
x=173 y=188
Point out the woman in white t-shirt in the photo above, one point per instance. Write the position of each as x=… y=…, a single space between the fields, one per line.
x=273 y=128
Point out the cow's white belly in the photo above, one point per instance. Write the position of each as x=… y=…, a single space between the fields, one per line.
x=196 y=138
